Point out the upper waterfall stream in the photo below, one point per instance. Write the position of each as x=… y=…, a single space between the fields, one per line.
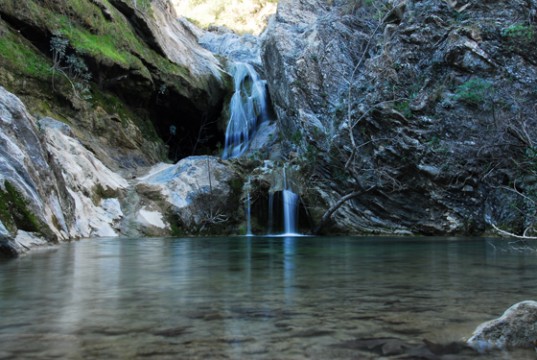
x=248 y=108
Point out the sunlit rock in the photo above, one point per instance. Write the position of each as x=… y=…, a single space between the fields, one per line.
x=90 y=183
x=152 y=223
x=33 y=199
x=198 y=190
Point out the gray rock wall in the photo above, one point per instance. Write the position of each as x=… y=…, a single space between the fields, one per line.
x=424 y=107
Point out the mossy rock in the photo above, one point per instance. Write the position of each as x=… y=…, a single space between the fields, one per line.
x=16 y=214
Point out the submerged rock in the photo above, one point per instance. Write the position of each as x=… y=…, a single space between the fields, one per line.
x=516 y=328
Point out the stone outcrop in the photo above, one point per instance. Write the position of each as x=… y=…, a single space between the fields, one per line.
x=52 y=189
x=420 y=108
x=202 y=191
x=94 y=189
x=516 y=328
x=31 y=196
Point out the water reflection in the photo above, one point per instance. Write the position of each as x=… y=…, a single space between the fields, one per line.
x=289 y=269
x=251 y=297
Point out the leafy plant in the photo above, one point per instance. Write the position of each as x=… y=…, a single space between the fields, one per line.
x=473 y=92
x=74 y=68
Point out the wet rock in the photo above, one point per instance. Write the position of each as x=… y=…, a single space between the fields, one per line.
x=400 y=349
x=171 y=332
x=516 y=328
x=380 y=346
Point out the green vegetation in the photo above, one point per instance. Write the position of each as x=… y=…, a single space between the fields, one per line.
x=91 y=33
x=473 y=92
x=242 y=16
x=14 y=211
x=21 y=57
x=521 y=32
x=404 y=108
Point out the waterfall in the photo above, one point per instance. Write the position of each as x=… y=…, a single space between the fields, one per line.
x=248 y=216
x=248 y=110
x=290 y=212
x=290 y=208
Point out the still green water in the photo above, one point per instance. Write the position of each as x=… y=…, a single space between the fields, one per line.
x=258 y=297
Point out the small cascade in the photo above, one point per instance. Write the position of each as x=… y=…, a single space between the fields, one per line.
x=248 y=109
x=290 y=208
x=290 y=212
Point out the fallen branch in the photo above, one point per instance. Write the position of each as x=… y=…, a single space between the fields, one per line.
x=507 y=233
x=328 y=214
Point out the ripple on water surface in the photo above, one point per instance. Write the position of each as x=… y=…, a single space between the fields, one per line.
x=259 y=297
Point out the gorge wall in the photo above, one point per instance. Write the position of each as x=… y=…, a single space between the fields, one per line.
x=393 y=117
x=423 y=112
x=92 y=94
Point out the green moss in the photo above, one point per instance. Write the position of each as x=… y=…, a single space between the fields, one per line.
x=91 y=33
x=21 y=57
x=99 y=46
x=15 y=213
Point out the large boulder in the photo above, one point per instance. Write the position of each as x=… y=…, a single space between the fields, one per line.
x=51 y=187
x=516 y=328
x=201 y=192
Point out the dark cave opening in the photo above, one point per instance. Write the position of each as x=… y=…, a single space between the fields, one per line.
x=185 y=129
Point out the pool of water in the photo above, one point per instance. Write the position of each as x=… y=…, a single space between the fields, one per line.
x=259 y=298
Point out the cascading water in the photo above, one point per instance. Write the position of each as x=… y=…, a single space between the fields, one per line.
x=248 y=109
x=290 y=208
x=290 y=212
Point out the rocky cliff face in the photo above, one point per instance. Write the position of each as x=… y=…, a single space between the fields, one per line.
x=98 y=92
x=130 y=81
x=52 y=189
x=423 y=110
